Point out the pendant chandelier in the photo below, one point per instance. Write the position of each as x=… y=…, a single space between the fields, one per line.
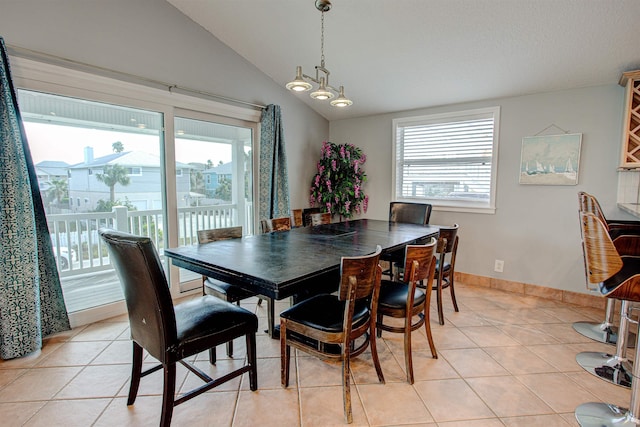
x=324 y=90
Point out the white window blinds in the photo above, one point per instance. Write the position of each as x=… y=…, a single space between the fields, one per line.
x=447 y=159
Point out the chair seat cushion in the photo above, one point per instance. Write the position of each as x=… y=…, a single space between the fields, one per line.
x=207 y=321
x=326 y=313
x=226 y=291
x=394 y=295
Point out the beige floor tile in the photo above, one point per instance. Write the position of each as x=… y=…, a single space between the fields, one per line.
x=570 y=315
x=467 y=318
x=9 y=375
x=269 y=375
x=557 y=390
x=206 y=410
x=536 y=421
x=452 y=400
x=278 y=407
x=570 y=418
x=101 y=331
x=56 y=413
x=31 y=359
x=473 y=362
x=561 y=356
x=488 y=336
x=38 y=384
x=395 y=403
x=313 y=372
x=448 y=337
x=535 y=316
x=146 y=410
x=507 y=397
x=602 y=390
x=16 y=414
x=519 y=360
x=564 y=333
x=528 y=334
x=75 y=353
x=97 y=381
x=501 y=317
x=323 y=406
x=488 y=422
x=479 y=304
x=118 y=352
x=425 y=367
x=363 y=370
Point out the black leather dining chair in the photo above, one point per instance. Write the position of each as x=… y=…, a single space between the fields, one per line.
x=306 y=215
x=323 y=322
x=408 y=213
x=447 y=250
x=171 y=333
x=402 y=300
x=218 y=288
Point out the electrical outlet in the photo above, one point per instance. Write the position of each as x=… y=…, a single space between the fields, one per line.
x=499 y=266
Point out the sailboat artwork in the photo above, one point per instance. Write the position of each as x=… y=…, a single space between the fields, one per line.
x=550 y=159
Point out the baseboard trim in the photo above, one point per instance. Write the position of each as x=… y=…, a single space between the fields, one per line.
x=569 y=297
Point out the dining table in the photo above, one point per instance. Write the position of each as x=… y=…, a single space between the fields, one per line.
x=297 y=262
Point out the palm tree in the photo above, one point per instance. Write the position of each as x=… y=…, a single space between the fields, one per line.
x=58 y=191
x=117 y=147
x=112 y=175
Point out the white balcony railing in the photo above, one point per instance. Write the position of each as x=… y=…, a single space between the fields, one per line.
x=79 y=250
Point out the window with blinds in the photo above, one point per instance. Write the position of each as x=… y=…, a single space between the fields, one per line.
x=448 y=160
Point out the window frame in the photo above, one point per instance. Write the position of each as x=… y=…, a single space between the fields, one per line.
x=450 y=204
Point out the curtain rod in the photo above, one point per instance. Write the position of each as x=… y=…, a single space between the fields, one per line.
x=133 y=78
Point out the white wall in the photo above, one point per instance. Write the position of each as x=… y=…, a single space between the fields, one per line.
x=535 y=228
x=151 y=38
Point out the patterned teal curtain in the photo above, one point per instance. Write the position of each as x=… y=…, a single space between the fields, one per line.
x=274 y=182
x=31 y=303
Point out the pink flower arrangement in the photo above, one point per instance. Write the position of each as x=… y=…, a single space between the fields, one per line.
x=337 y=184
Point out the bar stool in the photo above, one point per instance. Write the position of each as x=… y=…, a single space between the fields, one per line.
x=605 y=331
x=616 y=277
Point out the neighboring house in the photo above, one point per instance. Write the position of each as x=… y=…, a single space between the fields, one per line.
x=213 y=176
x=144 y=190
x=50 y=170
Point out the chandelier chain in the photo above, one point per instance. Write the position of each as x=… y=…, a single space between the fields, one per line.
x=322 y=40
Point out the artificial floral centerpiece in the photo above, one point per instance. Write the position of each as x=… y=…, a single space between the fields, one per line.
x=337 y=186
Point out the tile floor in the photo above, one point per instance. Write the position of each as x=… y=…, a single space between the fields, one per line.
x=504 y=360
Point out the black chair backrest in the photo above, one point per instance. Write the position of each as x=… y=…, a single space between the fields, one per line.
x=151 y=317
x=447 y=237
x=306 y=215
x=365 y=269
x=410 y=213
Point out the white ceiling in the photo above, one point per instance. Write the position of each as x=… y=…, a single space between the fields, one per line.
x=393 y=55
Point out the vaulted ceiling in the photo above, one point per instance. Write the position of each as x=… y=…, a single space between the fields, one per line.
x=393 y=55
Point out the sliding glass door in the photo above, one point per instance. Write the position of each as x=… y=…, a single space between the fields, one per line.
x=98 y=165
x=214 y=179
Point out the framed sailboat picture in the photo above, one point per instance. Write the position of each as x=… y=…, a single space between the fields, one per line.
x=550 y=159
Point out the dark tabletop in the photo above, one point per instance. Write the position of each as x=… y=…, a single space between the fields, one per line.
x=280 y=264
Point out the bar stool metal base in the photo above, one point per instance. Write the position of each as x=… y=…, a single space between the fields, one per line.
x=597 y=414
x=607 y=367
x=601 y=332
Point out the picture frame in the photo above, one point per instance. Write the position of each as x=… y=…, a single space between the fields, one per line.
x=550 y=159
